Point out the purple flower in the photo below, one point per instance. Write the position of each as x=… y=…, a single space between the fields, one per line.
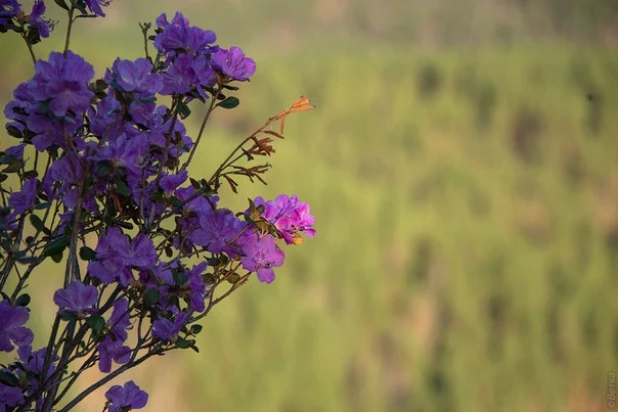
x=63 y=80
x=112 y=349
x=142 y=253
x=165 y=329
x=289 y=216
x=77 y=298
x=261 y=255
x=36 y=360
x=197 y=204
x=108 y=118
x=43 y=26
x=186 y=72
x=8 y=10
x=24 y=199
x=194 y=289
x=169 y=183
x=10 y=396
x=16 y=151
x=120 y=321
x=95 y=6
x=180 y=36
x=218 y=229
x=234 y=64
x=127 y=397
x=12 y=331
x=134 y=76
x=110 y=264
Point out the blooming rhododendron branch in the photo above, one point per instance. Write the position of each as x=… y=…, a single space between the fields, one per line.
x=166 y=251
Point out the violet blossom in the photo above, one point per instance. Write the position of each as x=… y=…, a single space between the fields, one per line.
x=77 y=298
x=126 y=397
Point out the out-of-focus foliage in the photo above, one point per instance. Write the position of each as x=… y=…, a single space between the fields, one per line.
x=463 y=168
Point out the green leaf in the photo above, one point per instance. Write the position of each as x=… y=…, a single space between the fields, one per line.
x=86 y=253
x=26 y=260
x=123 y=224
x=56 y=246
x=183 y=110
x=57 y=258
x=174 y=201
x=23 y=300
x=37 y=223
x=233 y=278
x=185 y=343
x=68 y=316
x=97 y=323
x=42 y=205
x=151 y=297
x=122 y=188
x=229 y=103
x=13 y=167
x=30 y=174
x=33 y=36
x=179 y=277
x=9 y=379
x=195 y=329
x=6 y=159
x=62 y=4
x=14 y=132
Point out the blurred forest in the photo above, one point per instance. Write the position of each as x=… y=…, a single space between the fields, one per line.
x=462 y=164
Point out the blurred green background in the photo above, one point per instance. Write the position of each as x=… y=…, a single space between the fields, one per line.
x=462 y=164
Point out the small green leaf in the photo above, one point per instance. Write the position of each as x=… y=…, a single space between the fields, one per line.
x=122 y=188
x=97 y=323
x=68 y=316
x=174 y=201
x=62 y=4
x=42 y=205
x=23 y=300
x=56 y=246
x=86 y=253
x=195 y=329
x=13 y=167
x=30 y=174
x=227 y=86
x=185 y=343
x=37 y=223
x=179 y=277
x=27 y=260
x=9 y=379
x=151 y=297
x=183 y=110
x=233 y=278
x=14 y=132
x=229 y=103
x=57 y=258
x=6 y=159
x=123 y=224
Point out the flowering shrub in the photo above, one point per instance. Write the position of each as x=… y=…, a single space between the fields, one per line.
x=106 y=157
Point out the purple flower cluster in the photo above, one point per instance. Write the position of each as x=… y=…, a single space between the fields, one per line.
x=52 y=104
x=12 y=330
x=126 y=397
x=77 y=298
x=165 y=247
x=289 y=216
